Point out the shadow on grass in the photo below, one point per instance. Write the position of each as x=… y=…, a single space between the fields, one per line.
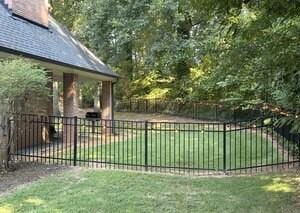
x=133 y=192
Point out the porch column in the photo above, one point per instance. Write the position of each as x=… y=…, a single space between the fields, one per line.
x=70 y=95
x=56 y=111
x=70 y=106
x=107 y=106
x=47 y=126
x=97 y=104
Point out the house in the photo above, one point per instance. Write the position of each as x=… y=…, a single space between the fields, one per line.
x=28 y=30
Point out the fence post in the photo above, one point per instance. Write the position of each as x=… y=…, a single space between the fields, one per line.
x=224 y=147
x=146 y=145
x=130 y=105
x=146 y=105
x=194 y=110
x=234 y=115
x=75 y=142
x=216 y=112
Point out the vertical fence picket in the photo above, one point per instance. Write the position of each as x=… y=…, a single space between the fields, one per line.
x=162 y=146
x=224 y=147
x=75 y=142
x=146 y=145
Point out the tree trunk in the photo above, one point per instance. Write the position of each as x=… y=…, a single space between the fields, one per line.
x=3 y=148
x=6 y=143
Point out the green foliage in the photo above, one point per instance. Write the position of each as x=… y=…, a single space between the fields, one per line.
x=258 y=59
x=236 y=51
x=68 y=12
x=20 y=81
x=293 y=122
x=87 y=91
x=152 y=85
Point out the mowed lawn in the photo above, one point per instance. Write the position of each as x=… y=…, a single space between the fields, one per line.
x=81 y=190
x=194 y=149
x=165 y=144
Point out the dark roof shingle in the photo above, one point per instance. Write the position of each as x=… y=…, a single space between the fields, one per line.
x=55 y=44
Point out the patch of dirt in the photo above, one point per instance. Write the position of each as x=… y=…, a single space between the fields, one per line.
x=151 y=117
x=154 y=117
x=27 y=173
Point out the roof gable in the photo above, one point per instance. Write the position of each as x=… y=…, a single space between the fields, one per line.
x=55 y=44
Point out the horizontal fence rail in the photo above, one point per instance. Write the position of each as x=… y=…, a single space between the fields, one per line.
x=195 y=147
x=195 y=110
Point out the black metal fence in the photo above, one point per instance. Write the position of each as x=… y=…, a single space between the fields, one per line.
x=195 y=110
x=206 y=147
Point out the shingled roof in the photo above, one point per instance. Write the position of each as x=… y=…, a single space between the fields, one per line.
x=54 y=44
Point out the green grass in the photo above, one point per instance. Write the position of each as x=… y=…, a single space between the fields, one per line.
x=196 y=146
x=189 y=149
x=105 y=191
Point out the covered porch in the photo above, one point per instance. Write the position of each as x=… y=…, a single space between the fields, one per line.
x=69 y=76
x=28 y=30
x=49 y=125
x=70 y=94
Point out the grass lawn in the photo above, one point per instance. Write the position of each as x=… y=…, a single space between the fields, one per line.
x=81 y=190
x=197 y=146
x=188 y=149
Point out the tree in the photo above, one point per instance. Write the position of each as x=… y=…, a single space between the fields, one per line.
x=67 y=12
x=19 y=79
x=237 y=51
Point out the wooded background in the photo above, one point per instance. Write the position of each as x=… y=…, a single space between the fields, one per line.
x=236 y=51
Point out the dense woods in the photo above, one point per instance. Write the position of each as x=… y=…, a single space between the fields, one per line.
x=237 y=51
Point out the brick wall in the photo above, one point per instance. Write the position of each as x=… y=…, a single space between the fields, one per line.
x=33 y=10
x=33 y=130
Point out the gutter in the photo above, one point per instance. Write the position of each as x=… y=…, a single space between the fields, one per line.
x=28 y=55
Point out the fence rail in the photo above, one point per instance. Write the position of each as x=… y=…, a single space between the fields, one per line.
x=195 y=147
x=195 y=110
